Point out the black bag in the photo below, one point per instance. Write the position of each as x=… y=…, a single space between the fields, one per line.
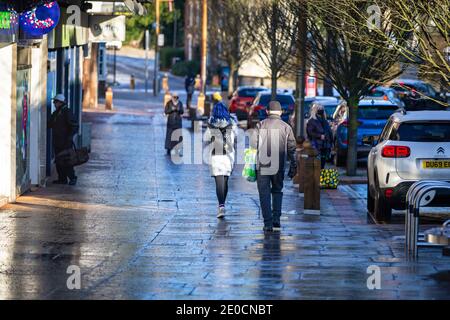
x=72 y=157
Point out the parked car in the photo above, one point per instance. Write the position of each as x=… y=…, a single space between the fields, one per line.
x=419 y=95
x=413 y=146
x=242 y=100
x=258 y=110
x=372 y=117
x=387 y=94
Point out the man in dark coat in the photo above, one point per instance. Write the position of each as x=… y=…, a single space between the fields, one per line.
x=274 y=141
x=174 y=110
x=63 y=128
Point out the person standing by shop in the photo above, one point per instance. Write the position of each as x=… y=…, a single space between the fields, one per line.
x=274 y=141
x=221 y=134
x=174 y=110
x=63 y=128
x=319 y=132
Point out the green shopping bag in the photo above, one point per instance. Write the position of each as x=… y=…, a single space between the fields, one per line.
x=249 y=172
x=329 y=179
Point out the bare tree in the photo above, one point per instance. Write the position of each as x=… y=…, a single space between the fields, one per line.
x=428 y=23
x=228 y=33
x=343 y=47
x=272 y=27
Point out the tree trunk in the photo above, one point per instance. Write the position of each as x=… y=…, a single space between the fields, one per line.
x=274 y=50
x=352 y=162
x=232 y=80
x=274 y=85
x=300 y=85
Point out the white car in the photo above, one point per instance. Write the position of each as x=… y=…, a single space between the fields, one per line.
x=413 y=146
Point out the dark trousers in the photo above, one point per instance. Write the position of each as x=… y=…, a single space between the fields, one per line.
x=221 y=189
x=189 y=99
x=64 y=172
x=324 y=155
x=270 y=190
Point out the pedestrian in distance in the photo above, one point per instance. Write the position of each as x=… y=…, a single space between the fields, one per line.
x=221 y=134
x=275 y=143
x=319 y=132
x=174 y=111
x=189 y=85
x=63 y=127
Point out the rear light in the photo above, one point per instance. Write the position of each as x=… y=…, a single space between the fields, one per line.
x=388 y=193
x=257 y=108
x=291 y=107
x=385 y=98
x=396 y=152
x=345 y=142
x=403 y=152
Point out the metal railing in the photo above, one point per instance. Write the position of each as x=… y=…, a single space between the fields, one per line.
x=419 y=195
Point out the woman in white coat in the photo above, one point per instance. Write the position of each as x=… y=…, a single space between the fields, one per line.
x=221 y=134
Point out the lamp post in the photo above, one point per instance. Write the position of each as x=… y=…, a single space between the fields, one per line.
x=301 y=77
x=204 y=51
x=157 y=31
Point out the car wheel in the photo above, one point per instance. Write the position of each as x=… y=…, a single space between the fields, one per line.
x=340 y=158
x=382 y=211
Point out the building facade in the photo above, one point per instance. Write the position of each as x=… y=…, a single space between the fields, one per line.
x=34 y=69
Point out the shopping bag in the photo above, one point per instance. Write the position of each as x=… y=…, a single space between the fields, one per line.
x=72 y=157
x=249 y=172
x=329 y=179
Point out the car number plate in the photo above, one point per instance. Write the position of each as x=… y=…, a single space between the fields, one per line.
x=436 y=164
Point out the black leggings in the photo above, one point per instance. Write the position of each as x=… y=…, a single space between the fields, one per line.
x=221 y=189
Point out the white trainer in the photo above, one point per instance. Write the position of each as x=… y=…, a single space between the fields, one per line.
x=221 y=213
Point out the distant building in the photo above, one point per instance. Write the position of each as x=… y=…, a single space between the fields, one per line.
x=252 y=72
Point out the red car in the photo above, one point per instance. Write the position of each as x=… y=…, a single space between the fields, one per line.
x=242 y=101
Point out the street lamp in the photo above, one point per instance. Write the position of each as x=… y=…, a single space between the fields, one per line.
x=204 y=50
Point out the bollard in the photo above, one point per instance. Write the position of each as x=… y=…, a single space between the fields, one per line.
x=132 y=82
x=298 y=179
x=109 y=99
x=311 y=180
x=201 y=104
x=198 y=82
x=165 y=83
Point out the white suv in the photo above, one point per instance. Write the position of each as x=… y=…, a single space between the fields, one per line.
x=413 y=146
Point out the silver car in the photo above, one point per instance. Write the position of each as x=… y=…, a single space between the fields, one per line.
x=413 y=146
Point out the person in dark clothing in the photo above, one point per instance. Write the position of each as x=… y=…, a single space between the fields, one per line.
x=174 y=110
x=274 y=141
x=319 y=132
x=63 y=128
x=189 y=85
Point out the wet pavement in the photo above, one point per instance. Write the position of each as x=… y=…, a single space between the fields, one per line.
x=140 y=227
